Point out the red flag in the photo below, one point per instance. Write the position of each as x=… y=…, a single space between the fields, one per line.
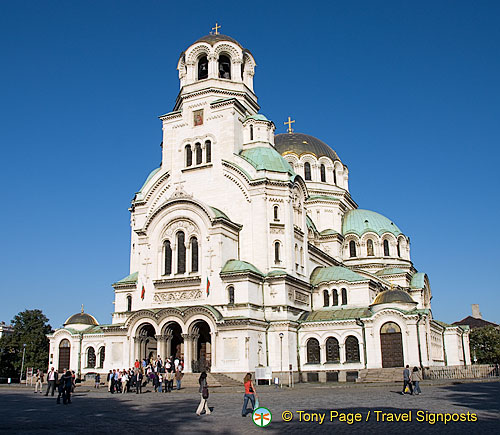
x=208 y=286
x=143 y=292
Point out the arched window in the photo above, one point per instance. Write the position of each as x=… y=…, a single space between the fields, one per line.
x=275 y=211
x=198 y=153
x=168 y=257
x=296 y=255
x=276 y=252
x=189 y=155
x=335 y=298
x=344 y=296
x=251 y=132
x=129 y=303
x=332 y=350
x=224 y=67
x=351 y=349
x=369 y=248
x=181 y=252
x=194 y=254
x=203 y=68
x=334 y=176
x=230 y=294
x=64 y=355
x=398 y=247
x=352 y=248
x=307 y=171
x=91 y=357
x=313 y=356
x=102 y=355
x=208 y=151
x=323 y=173
x=386 y=248
x=326 y=298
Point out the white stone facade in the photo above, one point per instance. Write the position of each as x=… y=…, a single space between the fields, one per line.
x=269 y=222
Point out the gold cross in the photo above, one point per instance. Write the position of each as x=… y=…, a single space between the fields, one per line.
x=290 y=122
x=216 y=28
x=82 y=308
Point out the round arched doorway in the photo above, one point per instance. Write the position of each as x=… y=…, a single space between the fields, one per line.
x=173 y=341
x=147 y=345
x=391 y=345
x=64 y=355
x=202 y=347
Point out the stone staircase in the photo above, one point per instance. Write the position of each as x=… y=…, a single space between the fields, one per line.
x=393 y=374
x=190 y=380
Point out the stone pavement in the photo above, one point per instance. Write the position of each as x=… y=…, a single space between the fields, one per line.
x=92 y=411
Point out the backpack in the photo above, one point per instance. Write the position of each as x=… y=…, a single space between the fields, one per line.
x=204 y=392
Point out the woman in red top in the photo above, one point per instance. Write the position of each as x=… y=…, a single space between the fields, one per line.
x=249 y=394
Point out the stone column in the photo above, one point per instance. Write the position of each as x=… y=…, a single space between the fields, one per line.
x=160 y=345
x=187 y=352
x=342 y=353
x=168 y=345
x=137 y=348
x=213 y=359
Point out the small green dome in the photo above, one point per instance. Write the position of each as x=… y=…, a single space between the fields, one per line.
x=257 y=117
x=262 y=158
x=81 y=319
x=362 y=221
x=393 y=296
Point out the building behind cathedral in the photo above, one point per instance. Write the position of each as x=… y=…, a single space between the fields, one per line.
x=247 y=250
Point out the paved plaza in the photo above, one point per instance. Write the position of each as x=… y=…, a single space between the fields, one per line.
x=99 y=412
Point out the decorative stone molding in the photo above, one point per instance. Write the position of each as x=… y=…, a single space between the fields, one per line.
x=177 y=296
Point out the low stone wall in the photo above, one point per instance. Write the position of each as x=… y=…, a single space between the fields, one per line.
x=462 y=372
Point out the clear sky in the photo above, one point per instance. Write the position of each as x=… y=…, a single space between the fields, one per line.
x=406 y=92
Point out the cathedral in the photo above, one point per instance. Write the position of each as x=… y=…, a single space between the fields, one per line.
x=247 y=251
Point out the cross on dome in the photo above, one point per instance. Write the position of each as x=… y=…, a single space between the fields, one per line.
x=289 y=122
x=216 y=28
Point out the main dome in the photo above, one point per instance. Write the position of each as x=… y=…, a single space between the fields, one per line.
x=300 y=143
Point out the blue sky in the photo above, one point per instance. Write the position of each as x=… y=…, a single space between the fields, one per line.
x=406 y=92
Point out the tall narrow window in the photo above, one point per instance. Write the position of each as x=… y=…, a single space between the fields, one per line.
x=323 y=173
x=313 y=351
x=335 y=298
x=334 y=176
x=398 y=247
x=203 y=68
x=224 y=67
x=129 y=303
x=194 y=254
x=198 y=153
x=386 y=248
x=344 y=296
x=307 y=170
x=369 y=248
x=276 y=252
x=352 y=248
x=189 y=155
x=275 y=212
x=168 y=257
x=230 y=292
x=102 y=355
x=251 y=132
x=208 y=151
x=332 y=350
x=326 y=298
x=91 y=358
x=181 y=252
x=351 y=349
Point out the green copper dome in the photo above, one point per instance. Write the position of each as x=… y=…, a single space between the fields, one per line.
x=393 y=296
x=362 y=221
x=299 y=144
x=262 y=158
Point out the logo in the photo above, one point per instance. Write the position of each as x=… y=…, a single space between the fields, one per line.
x=262 y=417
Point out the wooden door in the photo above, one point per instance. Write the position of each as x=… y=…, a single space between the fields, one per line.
x=63 y=358
x=391 y=344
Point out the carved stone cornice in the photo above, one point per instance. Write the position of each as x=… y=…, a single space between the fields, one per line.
x=188 y=281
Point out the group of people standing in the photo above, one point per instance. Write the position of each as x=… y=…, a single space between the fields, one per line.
x=65 y=384
x=161 y=375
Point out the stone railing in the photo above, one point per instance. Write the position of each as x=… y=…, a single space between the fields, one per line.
x=462 y=372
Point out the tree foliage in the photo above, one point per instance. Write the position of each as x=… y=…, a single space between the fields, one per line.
x=30 y=327
x=485 y=345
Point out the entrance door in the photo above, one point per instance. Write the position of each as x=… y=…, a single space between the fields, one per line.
x=64 y=354
x=391 y=345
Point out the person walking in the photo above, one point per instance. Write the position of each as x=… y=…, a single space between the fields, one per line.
x=39 y=381
x=203 y=395
x=97 y=380
x=178 y=378
x=416 y=377
x=250 y=394
x=52 y=377
x=406 y=380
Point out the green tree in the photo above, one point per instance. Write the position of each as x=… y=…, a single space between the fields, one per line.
x=485 y=344
x=30 y=327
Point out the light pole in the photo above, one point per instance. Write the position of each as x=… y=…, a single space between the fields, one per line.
x=281 y=358
x=22 y=365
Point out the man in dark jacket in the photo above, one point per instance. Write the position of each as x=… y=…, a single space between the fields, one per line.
x=138 y=382
x=67 y=381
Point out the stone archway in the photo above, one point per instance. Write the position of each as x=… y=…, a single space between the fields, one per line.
x=172 y=341
x=146 y=343
x=202 y=346
x=391 y=345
